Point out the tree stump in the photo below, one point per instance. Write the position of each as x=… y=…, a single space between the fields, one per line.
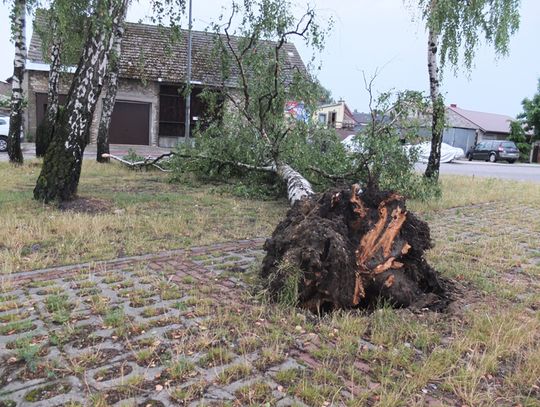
x=351 y=249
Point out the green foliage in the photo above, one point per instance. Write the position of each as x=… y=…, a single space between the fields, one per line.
x=531 y=113
x=132 y=156
x=65 y=22
x=254 y=134
x=518 y=136
x=29 y=353
x=252 y=130
x=463 y=25
x=379 y=155
x=5 y=102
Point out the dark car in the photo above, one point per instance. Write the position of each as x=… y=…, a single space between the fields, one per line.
x=494 y=150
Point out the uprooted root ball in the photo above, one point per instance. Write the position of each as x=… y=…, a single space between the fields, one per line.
x=351 y=249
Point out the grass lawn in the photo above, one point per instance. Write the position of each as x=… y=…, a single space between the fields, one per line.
x=484 y=351
x=143 y=213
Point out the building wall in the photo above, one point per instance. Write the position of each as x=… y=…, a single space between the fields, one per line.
x=37 y=82
x=338 y=109
x=135 y=91
x=461 y=138
x=5 y=94
x=128 y=89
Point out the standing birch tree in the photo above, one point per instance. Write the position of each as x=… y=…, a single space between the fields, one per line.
x=112 y=89
x=455 y=29
x=59 y=177
x=61 y=29
x=18 y=22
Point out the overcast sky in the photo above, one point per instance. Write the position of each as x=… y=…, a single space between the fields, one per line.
x=383 y=34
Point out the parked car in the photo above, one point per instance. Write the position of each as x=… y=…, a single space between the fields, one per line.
x=494 y=150
x=352 y=143
x=4 y=130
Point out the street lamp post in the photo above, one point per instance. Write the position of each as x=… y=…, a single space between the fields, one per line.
x=188 y=80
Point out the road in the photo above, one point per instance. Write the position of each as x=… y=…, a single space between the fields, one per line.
x=90 y=151
x=519 y=172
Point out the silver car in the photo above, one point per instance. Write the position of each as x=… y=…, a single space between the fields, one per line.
x=4 y=131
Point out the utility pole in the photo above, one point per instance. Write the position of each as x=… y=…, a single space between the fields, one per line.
x=188 y=80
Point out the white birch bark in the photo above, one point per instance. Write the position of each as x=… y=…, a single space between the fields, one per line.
x=54 y=81
x=61 y=169
x=15 y=121
x=298 y=187
x=45 y=129
x=112 y=89
x=432 y=170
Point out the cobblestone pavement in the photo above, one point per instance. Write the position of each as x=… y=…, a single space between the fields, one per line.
x=177 y=328
x=124 y=332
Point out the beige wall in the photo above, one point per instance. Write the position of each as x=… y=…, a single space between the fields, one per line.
x=339 y=109
x=135 y=91
x=128 y=89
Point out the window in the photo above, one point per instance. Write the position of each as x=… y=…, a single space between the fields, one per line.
x=171 y=111
x=332 y=119
x=322 y=118
x=2 y=122
x=172 y=105
x=509 y=144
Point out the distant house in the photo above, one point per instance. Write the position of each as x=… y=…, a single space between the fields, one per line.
x=5 y=95
x=465 y=128
x=337 y=116
x=150 y=106
x=362 y=119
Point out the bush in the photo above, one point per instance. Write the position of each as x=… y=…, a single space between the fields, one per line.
x=517 y=135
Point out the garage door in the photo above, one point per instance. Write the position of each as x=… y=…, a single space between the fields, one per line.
x=130 y=123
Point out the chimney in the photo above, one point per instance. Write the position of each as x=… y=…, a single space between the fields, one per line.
x=453 y=105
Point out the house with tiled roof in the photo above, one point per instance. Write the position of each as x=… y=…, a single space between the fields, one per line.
x=465 y=128
x=150 y=106
x=337 y=116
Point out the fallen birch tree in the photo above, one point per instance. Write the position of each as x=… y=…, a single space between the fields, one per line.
x=348 y=247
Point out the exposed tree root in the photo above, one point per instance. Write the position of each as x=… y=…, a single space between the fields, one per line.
x=349 y=249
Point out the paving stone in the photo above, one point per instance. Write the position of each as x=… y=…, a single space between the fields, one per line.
x=92 y=341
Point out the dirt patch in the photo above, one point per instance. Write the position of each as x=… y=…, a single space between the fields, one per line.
x=113 y=372
x=90 y=206
x=84 y=337
x=47 y=392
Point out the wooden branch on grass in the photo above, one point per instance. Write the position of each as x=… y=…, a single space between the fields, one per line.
x=147 y=162
x=152 y=162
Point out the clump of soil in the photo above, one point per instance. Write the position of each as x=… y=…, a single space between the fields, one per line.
x=90 y=206
x=351 y=249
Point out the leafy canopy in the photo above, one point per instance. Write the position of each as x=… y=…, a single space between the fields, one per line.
x=464 y=24
x=530 y=116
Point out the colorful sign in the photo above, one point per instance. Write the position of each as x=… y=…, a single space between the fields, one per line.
x=297 y=111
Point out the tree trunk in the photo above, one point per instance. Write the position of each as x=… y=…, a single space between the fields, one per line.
x=437 y=123
x=15 y=119
x=349 y=249
x=110 y=98
x=45 y=129
x=298 y=187
x=61 y=169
